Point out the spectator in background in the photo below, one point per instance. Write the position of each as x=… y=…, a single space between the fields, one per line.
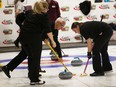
x=19 y=8
x=54 y=13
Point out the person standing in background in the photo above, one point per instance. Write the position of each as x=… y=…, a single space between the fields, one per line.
x=54 y=13
x=19 y=8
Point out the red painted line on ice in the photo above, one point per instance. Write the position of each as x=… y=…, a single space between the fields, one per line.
x=48 y=62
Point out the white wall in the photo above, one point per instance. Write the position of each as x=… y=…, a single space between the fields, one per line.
x=69 y=10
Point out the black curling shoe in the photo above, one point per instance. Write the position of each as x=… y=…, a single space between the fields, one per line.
x=97 y=74
x=42 y=71
x=6 y=71
x=16 y=43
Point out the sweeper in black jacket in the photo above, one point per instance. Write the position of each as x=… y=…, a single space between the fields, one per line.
x=99 y=33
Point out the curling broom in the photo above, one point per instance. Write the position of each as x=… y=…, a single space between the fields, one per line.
x=47 y=42
x=84 y=72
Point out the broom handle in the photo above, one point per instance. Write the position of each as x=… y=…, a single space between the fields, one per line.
x=86 y=65
x=47 y=42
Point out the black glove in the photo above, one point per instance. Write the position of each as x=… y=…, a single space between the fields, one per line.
x=89 y=55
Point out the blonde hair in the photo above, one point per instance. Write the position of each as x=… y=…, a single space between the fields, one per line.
x=40 y=6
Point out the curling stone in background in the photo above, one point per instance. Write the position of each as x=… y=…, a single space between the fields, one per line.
x=76 y=62
x=65 y=75
x=54 y=58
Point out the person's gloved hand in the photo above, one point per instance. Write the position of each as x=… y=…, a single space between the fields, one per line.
x=89 y=55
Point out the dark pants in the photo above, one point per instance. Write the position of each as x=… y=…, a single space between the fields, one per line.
x=17 y=60
x=33 y=50
x=101 y=60
x=55 y=33
x=18 y=39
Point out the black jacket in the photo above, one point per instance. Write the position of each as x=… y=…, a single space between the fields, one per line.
x=35 y=25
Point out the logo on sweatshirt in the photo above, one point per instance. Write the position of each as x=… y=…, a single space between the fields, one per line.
x=53 y=6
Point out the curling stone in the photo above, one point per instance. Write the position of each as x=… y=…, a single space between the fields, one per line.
x=54 y=58
x=65 y=75
x=76 y=62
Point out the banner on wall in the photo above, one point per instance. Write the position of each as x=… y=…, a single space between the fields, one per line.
x=11 y=2
x=69 y=10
